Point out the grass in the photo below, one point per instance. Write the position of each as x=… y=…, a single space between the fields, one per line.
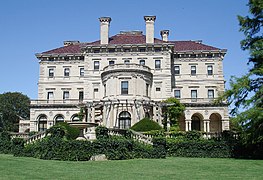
x=170 y=168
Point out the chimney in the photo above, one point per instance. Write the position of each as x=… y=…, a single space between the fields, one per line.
x=164 y=34
x=149 y=21
x=104 y=29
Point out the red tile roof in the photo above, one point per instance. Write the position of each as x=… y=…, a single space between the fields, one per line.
x=133 y=39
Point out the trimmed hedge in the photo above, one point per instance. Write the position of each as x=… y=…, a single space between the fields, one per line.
x=63 y=129
x=5 y=143
x=146 y=124
x=203 y=148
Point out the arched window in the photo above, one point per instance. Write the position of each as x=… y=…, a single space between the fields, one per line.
x=42 y=123
x=196 y=123
x=59 y=118
x=75 y=117
x=124 y=120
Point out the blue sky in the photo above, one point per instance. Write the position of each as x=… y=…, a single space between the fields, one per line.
x=29 y=26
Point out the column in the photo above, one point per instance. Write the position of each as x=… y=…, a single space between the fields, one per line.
x=188 y=125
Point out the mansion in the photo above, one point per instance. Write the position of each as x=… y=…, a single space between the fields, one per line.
x=118 y=80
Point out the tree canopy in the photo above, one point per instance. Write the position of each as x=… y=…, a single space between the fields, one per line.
x=246 y=92
x=172 y=110
x=13 y=107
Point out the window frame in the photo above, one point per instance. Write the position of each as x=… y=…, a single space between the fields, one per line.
x=66 y=72
x=194 y=92
x=142 y=62
x=64 y=95
x=175 y=94
x=177 y=71
x=209 y=95
x=124 y=89
x=81 y=72
x=96 y=65
x=193 y=70
x=51 y=72
x=50 y=95
x=157 y=64
x=210 y=71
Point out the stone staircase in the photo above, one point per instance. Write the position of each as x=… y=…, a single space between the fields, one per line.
x=35 y=137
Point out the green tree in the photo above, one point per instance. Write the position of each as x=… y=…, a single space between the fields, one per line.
x=246 y=92
x=13 y=106
x=172 y=110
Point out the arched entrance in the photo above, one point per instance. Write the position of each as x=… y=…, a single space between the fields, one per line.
x=196 y=123
x=42 y=122
x=75 y=117
x=124 y=120
x=215 y=122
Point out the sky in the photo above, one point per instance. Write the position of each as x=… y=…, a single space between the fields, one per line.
x=33 y=26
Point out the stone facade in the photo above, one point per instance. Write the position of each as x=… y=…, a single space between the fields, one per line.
x=119 y=80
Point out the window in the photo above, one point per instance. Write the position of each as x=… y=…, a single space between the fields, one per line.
x=111 y=50
x=96 y=90
x=124 y=87
x=194 y=95
x=42 y=126
x=66 y=72
x=142 y=62
x=177 y=94
x=81 y=95
x=210 y=70
x=193 y=70
x=50 y=95
x=147 y=89
x=51 y=72
x=124 y=120
x=66 y=95
x=81 y=72
x=176 y=70
x=157 y=64
x=210 y=93
x=126 y=61
x=96 y=65
x=111 y=62
x=59 y=118
x=158 y=89
x=142 y=49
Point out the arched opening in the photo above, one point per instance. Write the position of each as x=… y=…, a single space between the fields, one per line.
x=59 y=118
x=75 y=117
x=181 y=123
x=124 y=120
x=42 y=122
x=215 y=122
x=196 y=123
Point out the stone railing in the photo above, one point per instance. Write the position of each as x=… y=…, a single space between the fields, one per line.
x=19 y=135
x=128 y=66
x=51 y=102
x=36 y=137
x=135 y=135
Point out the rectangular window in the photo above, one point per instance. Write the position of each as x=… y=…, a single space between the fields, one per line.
x=124 y=87
x=157 y=64
x=111 y=62
x=210 y=70
x=50 y=95
x=66 y=95
x=194 y=95
x=193 y=70
x=126 y=61
x=81 y=95
x=142 y=62
x=66 y=72
x=51 y=72
x=176 y=70
x=158 y=89
x=96 y=65
x=81 y=72
x=210 y=93
x=177 y=94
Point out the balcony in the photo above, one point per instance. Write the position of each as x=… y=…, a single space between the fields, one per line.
x=126 y=67
x=198 y=100
x=56 y=102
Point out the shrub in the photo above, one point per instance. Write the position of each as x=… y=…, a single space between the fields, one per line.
x=102 y=132
x=146 y=124
x=202 y=148
x=5 y=143
x=159 y=147
x=63 y=129
x=18 y=146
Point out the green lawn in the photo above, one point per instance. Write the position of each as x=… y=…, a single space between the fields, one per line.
x=170 y=168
